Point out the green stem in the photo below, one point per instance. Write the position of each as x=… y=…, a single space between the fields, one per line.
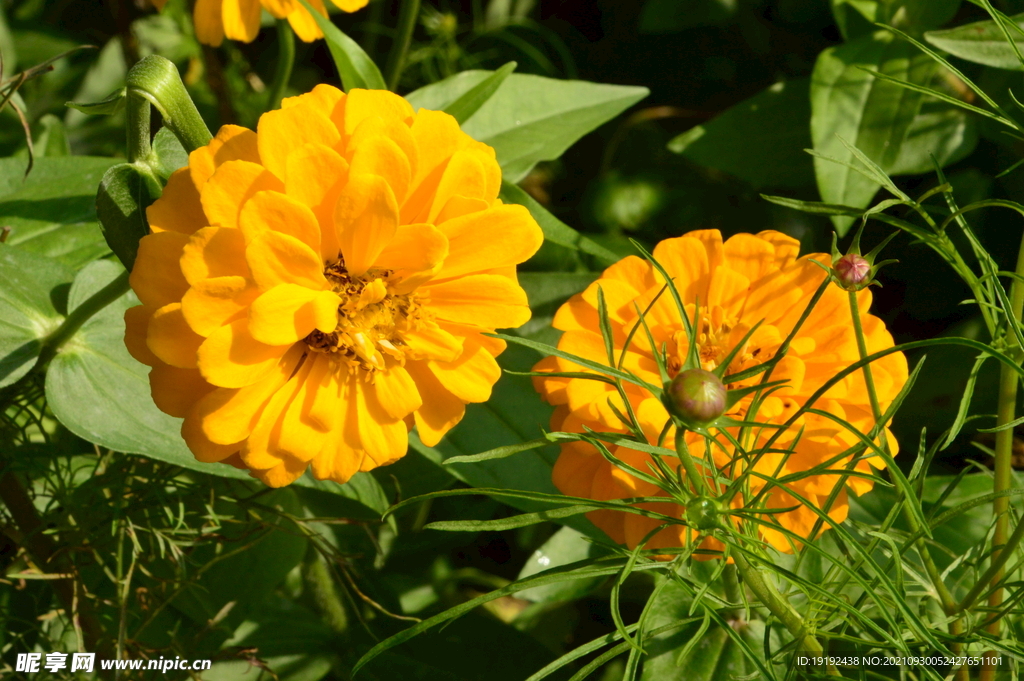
x=80 y=315
x=945 y=597
x=1002 y=545
x=137 y=127
x=403 y=37
x=732 y=589
x=285 y=63
x=700 y=486
x=781 y=608
x=156 y=79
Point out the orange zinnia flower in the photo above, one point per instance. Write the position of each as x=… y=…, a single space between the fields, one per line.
x=738 y=283
x=313 y=289
x=240 y=19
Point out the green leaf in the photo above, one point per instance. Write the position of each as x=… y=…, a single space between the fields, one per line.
x=125 y=192
x=106 y=107
x=940 y=133
x=51 y=141
x=714 y=656
x=981 y=42
x=33 y=291
x=468 y=104
x=760 y=140
x=476 y=648
x=564 y=547
x=856 y=17
x=556 y=231
x=101 y=394
x=546 y=292
x=167 y=153
x=670 y=16
x=355 y=67
x=530 y=118
x=52 y=212
x=514 y=414
x=849 y=103
x=250 y=565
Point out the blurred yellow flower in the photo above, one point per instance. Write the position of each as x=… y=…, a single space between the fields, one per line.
x=745 y=280
x=313 y=289
x=240 y=19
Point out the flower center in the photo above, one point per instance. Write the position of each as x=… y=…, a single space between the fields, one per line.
x=371 y=319
x=716 y=337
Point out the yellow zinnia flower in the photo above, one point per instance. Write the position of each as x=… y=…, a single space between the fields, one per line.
x=738 y=283
x=313 y=289
x=240 y=19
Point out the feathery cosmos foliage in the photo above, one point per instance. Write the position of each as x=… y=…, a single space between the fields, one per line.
x=240 y=19
x=313 y=289
x=750 y=284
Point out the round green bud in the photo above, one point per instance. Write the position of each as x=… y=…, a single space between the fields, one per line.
x=697 y=396
x=702 y=513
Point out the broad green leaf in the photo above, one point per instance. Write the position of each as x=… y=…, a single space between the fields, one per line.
x=101 y=394
x=849 y=103
x=251 y=564
x=546 y=292
x=294 y=642
x=564 y=547
x=714 y=657
x=981 y=42
x=530 y=118
x=474 y=648
x=168 y=153
x=355 y=67
x=940 y=133
x=856 y=17
x=556 y=231
x=125 y=192
x=669 y=16
x=50 y=140
x=468 y=104
x=52 y=212
x=31 y=297
x=760 y=140
x=514 y=414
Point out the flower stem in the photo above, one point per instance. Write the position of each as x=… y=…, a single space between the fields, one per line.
x=285 y=63
x=407 y=16
x=700 y=486
x=949 y=605
x=781 y=608
x=80 y=315
x=137 y=127
x=156 y=80
x=1001 y=547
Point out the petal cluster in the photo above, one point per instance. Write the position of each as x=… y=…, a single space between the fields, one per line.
x=312 y=290
x=739 y=283
x=215 y=20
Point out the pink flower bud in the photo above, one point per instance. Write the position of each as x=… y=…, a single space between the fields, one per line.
x=853 y=271
x=697 y=395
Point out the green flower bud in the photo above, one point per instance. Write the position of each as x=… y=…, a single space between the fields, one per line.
x=702 y=513
x=697 y=396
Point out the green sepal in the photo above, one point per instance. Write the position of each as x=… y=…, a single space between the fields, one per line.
x=125 y=191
